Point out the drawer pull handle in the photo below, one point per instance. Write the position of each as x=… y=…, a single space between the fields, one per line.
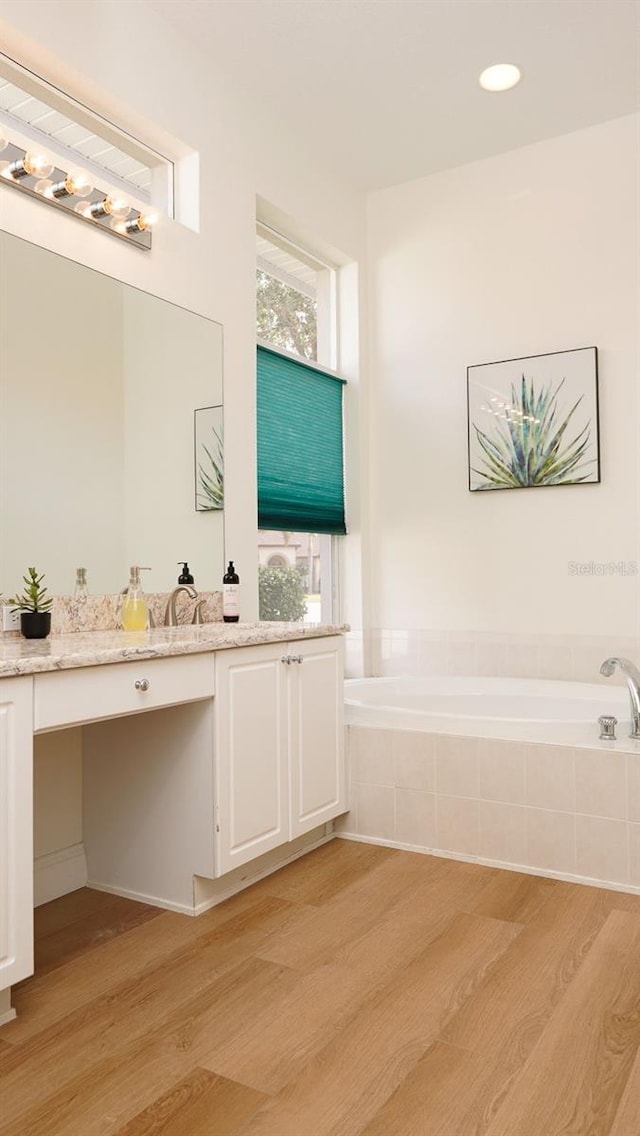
x=142 y=684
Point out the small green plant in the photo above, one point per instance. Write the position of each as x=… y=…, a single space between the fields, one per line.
x=34 y=596
x=282 y=594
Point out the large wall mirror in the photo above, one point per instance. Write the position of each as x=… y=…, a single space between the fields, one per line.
x=99 y=383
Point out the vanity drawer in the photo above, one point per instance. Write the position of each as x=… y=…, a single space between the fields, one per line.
x=87 y=694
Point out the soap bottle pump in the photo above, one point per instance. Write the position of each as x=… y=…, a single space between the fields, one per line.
x=231 y=595
x=135 y=611
x=185 y=576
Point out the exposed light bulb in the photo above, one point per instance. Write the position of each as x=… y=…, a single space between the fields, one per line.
x=32 y=165
x=75 y=184
x=110 y=207
x=142 y=223
x=500 y=77
x=84 y=209
x=43 y=187
x=37 y=165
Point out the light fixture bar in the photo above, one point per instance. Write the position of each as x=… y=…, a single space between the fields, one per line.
x=32 y=173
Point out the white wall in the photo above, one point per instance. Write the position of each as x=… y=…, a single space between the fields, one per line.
x=529 y=252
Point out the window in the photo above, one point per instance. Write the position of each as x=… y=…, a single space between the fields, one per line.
x=300 y=442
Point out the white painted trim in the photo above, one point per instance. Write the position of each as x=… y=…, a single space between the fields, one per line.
x=58 y=873
x=545 y=873
x=140 y=897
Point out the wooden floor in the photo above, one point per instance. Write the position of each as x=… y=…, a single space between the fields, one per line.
x=360 y=990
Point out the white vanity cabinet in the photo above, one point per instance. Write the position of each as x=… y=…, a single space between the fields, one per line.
x=279 y=746
x=16 y=836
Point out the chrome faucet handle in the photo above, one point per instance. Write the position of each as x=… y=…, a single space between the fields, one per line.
x=607 y=727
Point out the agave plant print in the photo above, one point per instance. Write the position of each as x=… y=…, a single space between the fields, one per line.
x=534 y=421
x=209 y=459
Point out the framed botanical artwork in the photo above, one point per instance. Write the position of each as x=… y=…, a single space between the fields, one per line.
x=209 y=459
x=534 y=421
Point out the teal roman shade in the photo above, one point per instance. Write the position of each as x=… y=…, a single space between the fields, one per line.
x=300 y=447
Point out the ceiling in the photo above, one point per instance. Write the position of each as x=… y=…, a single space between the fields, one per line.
x=386 y=90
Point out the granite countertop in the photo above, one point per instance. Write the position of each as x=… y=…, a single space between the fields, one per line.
x=94 y=648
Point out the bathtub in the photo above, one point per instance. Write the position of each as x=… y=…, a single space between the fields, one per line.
x=505 y=772
x=517 y=708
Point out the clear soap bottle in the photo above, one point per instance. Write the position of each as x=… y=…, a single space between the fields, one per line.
x=81 y=590
x=135 y=610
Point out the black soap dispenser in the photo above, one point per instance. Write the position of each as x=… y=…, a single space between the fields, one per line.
x=231 y=595
x=185 y=576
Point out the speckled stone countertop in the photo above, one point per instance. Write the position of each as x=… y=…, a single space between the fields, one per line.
x=94 y=648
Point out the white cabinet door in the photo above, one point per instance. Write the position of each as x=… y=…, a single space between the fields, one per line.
x=16 y=831
x=251 y=791
x=279 y=751
x=316 y=746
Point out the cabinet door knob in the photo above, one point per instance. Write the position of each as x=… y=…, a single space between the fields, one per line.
x=297 y=658
x=286 y=659
x=142 y=684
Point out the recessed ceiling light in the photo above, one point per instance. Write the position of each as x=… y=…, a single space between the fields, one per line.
x=500 y=77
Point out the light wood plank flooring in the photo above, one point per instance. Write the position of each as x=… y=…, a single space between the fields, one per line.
x=360 y=991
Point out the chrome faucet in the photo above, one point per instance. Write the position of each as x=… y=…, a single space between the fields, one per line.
x=632 y=676
x=170 y=615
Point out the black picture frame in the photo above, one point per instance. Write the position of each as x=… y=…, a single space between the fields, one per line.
x=533 y=421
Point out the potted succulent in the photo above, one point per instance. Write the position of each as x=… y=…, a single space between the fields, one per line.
x=34 y=606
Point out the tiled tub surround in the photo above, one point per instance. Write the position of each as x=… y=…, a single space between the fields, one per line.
x=381 y=652
x=569 y=812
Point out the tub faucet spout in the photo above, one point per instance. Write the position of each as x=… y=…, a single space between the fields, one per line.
x=632 y=676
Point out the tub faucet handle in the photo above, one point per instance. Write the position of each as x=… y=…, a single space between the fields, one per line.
x=608 y=727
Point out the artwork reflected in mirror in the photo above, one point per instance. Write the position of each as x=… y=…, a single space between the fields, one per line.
x=209 y=459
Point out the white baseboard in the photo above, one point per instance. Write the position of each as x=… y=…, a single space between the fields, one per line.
x=59 y=872
x=546 y=873
x=140 y=897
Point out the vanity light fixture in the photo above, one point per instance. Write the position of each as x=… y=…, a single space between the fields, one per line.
x=36 y=174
